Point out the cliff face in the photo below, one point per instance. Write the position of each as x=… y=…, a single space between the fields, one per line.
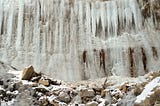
x=76 y=39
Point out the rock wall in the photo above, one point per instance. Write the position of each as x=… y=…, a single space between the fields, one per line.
x=81 y=39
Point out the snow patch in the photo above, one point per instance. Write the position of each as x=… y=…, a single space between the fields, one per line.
x=148 y=89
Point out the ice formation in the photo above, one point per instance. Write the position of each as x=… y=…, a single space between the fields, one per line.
x=80 y=39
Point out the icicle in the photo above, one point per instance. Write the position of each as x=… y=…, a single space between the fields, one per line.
x=114 y=18
x=136 y=14
x=36 y=39
x=1 y=18
x=93 y=19
x=108 y=19
x=19 y=40
x=10 y=26
x=103 y=16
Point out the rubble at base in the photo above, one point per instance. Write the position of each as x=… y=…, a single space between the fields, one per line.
x=40 y=90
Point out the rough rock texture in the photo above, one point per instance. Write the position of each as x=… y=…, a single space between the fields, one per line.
x=140 y=91
x=28 y=73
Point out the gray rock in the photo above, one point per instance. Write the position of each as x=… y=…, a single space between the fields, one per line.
x=86 y=92
x=64 y=97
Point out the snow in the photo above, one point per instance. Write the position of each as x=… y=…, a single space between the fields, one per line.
x=148 y=90
x=18 y=74
x=25 y=82
x=102 y=102
x=2 y=88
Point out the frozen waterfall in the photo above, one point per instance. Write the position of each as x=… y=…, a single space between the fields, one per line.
x=81 y=39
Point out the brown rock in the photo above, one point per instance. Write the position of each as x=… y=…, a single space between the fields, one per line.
x=103 y=93
x=123 y=88
x=28 y=73
x=44 y=82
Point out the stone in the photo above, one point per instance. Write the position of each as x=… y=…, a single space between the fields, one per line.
x=138 y=89
x=41 y=89
x=36 y=79
x=43 y=101
x=103 y=93
x=53 y=101
x=157 y=105
x=28 y=73
x=93 y=103
x=123 y=88
x=150 y=99
x=54 y=82
x=17 y=85
x=150 y=95
x=1 y=82
x=64 y=97
x=87 y=92
x=44 y=82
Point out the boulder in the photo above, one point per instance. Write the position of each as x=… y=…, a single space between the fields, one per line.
x=44 y=82
x=103 y=93
x=64 y=97
x=87 y=92
x=28 y=73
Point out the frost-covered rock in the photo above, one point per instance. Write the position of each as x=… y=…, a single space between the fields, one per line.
x=150 y=94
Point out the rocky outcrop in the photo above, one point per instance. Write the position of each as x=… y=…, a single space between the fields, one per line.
x=41 y=90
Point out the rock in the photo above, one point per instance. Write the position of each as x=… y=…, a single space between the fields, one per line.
x=128 y=100
x=43 y=101
x=153 y=75
x=53 y=100
x=2 y=92
x=150 y=99
x=36 y=79
x=138 y=89
x=116 y=95
x=41 y=89
x=157 y=105
x=150 y=95
x=103 y=93
x=1 y=82
x=103 y=102
x=93 y=103
x=86 y=92
x=64 y=97
x=123 y=88
x=54 y=82
x=28 y=73
x=44 y=82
